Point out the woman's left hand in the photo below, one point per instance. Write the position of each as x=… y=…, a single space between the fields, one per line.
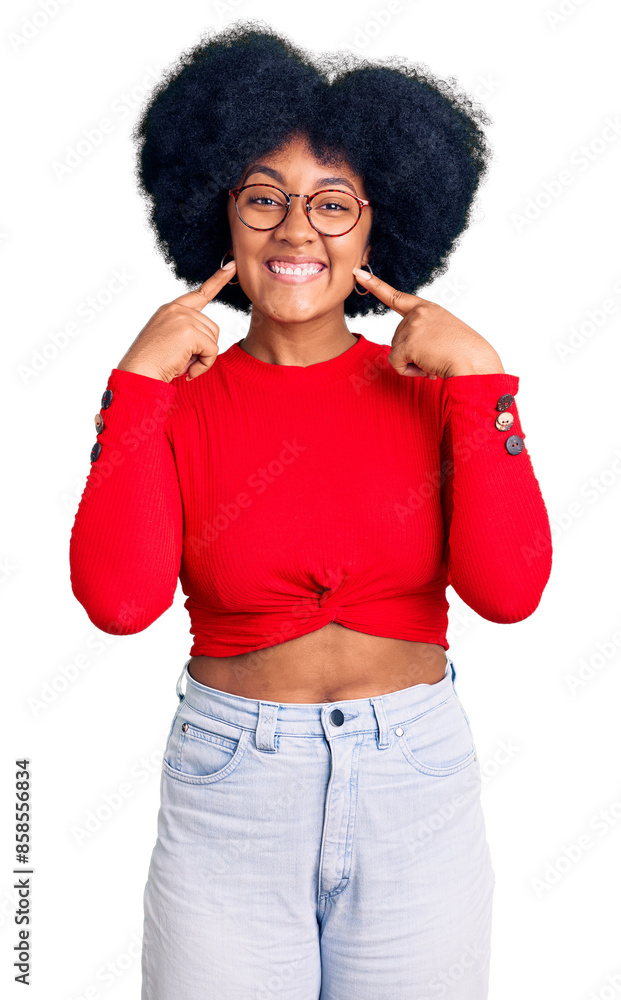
x=430 y=340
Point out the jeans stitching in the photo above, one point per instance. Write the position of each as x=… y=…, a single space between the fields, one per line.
x=208 y=779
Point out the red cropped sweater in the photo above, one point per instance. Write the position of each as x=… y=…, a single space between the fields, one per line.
x=286 y=497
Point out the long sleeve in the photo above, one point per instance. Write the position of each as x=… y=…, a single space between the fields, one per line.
x=126 y=540
x=498 y=542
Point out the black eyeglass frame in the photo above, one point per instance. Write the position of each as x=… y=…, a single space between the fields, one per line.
x=362 y=203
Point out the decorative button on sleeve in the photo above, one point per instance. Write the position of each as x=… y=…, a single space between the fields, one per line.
x=514 y=444
x=99 y=423
x=106 y=399
x=504 y=402
x=504 y=421
x=95 y=451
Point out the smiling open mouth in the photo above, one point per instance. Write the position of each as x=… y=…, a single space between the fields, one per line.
x=294 y=273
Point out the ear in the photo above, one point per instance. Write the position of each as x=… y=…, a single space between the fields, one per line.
x=366 y=255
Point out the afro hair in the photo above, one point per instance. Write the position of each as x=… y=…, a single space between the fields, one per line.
x=416 y=140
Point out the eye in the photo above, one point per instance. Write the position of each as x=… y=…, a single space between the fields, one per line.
x=334 y=203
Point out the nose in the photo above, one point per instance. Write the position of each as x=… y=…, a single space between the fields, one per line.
x=296 y=224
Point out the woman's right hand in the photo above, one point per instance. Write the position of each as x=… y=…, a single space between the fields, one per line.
x=179 y=339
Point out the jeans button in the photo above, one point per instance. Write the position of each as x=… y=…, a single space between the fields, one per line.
x=336 y=717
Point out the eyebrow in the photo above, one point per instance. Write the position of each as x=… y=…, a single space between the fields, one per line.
x=262 y=168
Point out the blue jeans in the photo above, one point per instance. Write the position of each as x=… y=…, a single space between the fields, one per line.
x=328 y=851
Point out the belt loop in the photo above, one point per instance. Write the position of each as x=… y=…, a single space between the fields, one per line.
x=266 y=726
x=380 y=715
x=181 y=676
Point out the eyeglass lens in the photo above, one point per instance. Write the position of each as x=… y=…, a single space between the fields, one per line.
x=332 y=212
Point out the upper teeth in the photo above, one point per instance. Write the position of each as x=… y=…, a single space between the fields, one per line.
x=307 y=269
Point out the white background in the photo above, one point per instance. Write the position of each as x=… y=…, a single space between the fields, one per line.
x=548 y=75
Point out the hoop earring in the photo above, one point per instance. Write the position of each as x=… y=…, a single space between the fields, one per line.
x=355 y=283
x=222 y=262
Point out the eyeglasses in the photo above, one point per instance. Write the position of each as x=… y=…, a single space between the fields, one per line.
x=330 y=211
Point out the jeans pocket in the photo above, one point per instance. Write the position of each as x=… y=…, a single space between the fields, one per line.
x=201 y=749
x=438 y=742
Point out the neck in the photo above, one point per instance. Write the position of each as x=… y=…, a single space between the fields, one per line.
x=301 y=344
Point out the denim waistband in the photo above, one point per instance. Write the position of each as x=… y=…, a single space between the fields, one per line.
x=290 y=718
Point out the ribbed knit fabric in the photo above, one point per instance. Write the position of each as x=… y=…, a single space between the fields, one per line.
x=286 y=497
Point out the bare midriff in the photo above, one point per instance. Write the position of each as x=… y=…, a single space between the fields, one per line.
x=334 y=663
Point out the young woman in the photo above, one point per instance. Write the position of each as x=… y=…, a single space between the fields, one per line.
x=320 y=833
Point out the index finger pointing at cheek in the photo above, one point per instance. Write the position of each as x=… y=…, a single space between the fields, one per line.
x=199 y=298
x=401 y=302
